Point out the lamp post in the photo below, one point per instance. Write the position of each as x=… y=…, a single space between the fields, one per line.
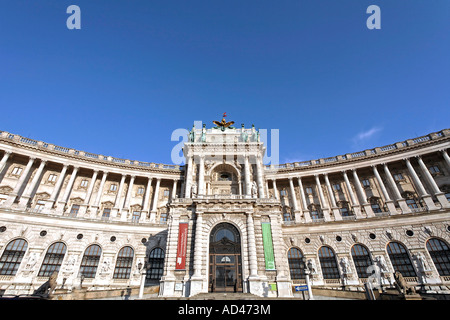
x=307 y=268
x=142 y=268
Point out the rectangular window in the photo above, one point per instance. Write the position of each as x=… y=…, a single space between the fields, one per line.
x=17 y=170
x=140 y=190
x=52 y=177
x=84 y=183
x=166 y=193
x=283 y=192
x=336 y=187
x=74 y=210
x=376 y=208
x=365 y=183
x=434 y=169
x=398 y=176
x=40 y=205
x=309 y=190
x=344 y=212
x=411 y=203
x=113 y=187
x=163 y=218
x=106 y=213
x=136 y=216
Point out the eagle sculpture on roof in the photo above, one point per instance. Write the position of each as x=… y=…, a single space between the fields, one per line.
x=223 y=124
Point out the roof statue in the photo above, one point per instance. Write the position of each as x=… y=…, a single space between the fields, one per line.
x=223 y=124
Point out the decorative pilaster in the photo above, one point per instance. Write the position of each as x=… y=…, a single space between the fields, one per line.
x=275 y=190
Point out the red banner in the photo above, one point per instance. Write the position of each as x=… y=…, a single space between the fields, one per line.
x=182 y=246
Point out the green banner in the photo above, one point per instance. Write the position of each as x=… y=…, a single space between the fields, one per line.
x=268 y=246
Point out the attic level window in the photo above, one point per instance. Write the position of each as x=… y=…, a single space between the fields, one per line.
x=434 y=170
x=17 y=170
x=224 y=176
x=52 y=177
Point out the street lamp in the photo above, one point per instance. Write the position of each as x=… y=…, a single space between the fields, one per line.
x=307 y=268
x=142 y=268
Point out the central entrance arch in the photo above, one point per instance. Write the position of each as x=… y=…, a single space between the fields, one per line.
x=225 y=263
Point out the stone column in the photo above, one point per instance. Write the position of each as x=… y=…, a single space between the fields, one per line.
x=303 y=205
x=188 y=177
x=334 y=207
x=201 y=177
x=363 y=195
x=294 y=201
x=355 y=204
x=126 y=206
x=252 y=260
x=324 y=205
x=91 y=187
x=259 y=176
x=423 y=193
x=248 y=191
x=65 y=198
x=57 y=188
x=23 y=202
x=446 y=157
x=116 y=207
x=437 y=192
x=197 y=279
x=4 y=159
x=389 y=203
x=84 y=206
x=401 y=202
x=155 y=201
x=275 y=190
x=96 y=205
x=19 y=184
x=174 y=190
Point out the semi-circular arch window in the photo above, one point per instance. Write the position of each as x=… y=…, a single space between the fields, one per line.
x=440 y=254
x=91 y=259
x=124 y=263
x=12 y=257
x=53 y=259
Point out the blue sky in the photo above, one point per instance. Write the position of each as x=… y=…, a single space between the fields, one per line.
x=137 y=70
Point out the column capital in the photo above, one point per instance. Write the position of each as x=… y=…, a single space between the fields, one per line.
x=44 y=161
x=95 y=171
x=32 y=159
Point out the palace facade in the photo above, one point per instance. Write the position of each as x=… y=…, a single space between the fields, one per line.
x=224 y=222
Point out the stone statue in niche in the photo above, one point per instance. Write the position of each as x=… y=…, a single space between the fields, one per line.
x=254 y=189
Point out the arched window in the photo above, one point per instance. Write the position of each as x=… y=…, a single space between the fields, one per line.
x=328 y=263
x=12 y=257
x=362 y=260
x=296 y=264
x=400 y=259
x=91 y=258
x=124 y=263
x=53 y=259
x=155 y=266
x=440 y=253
